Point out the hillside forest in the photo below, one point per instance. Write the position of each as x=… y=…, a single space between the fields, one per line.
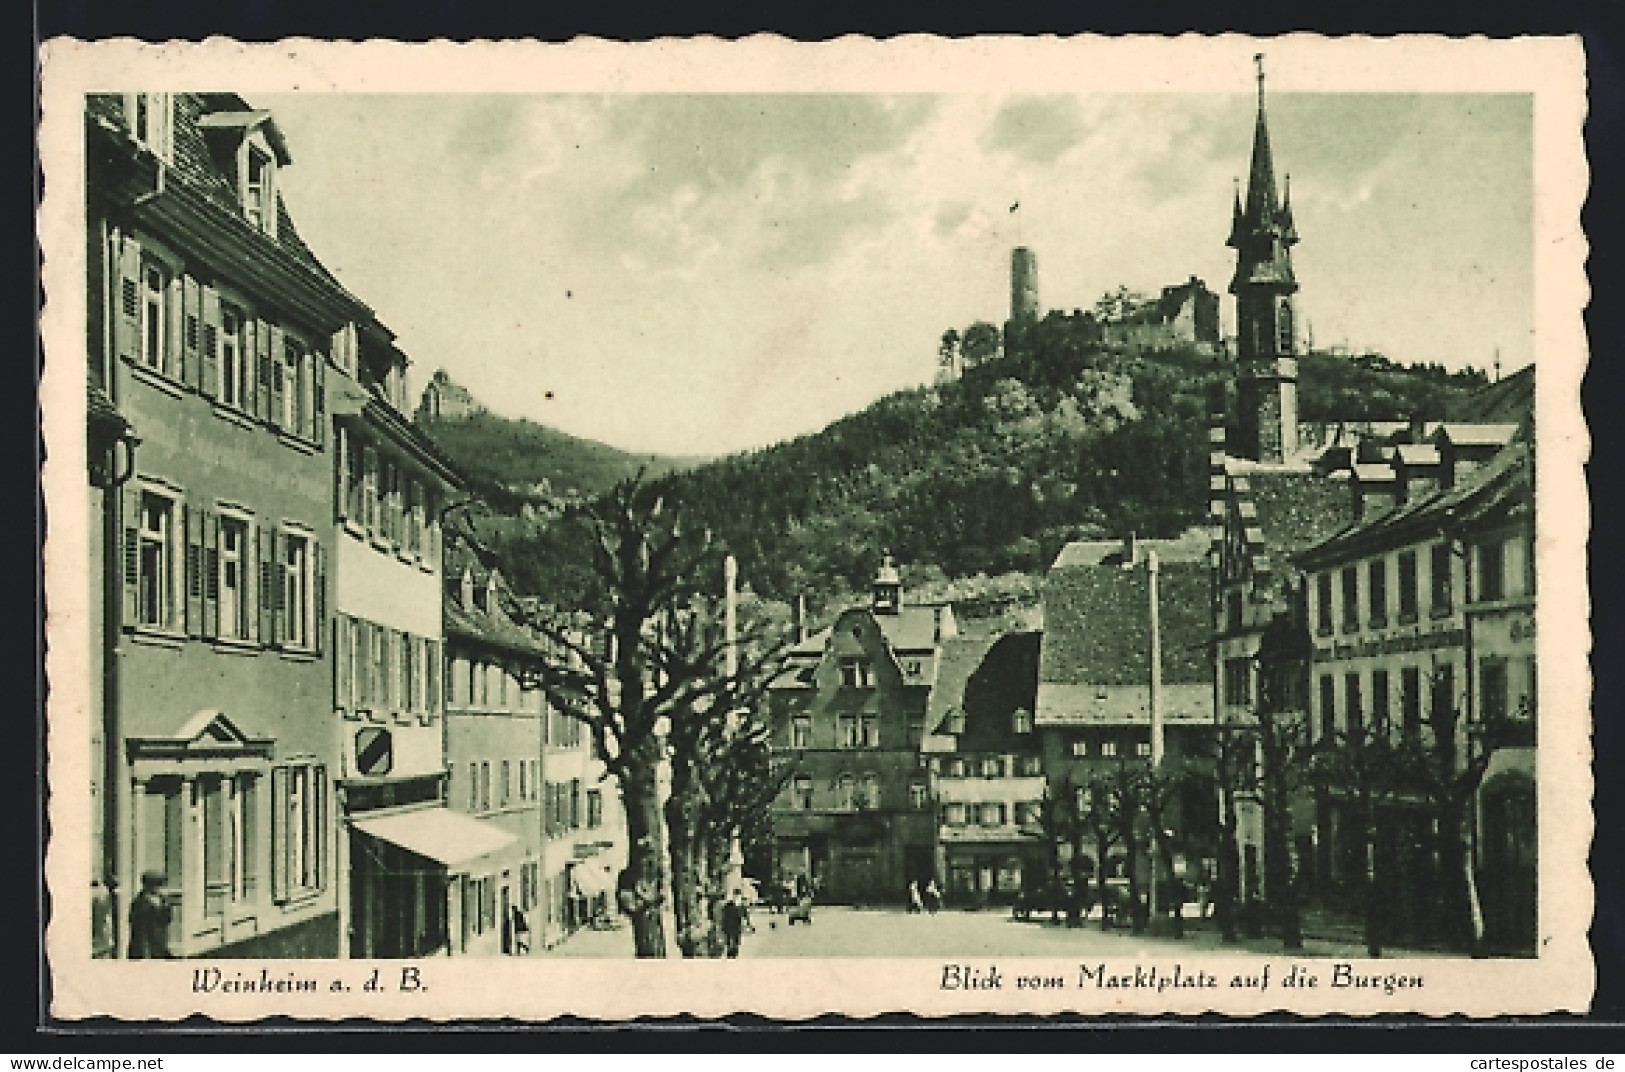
x=975 y=484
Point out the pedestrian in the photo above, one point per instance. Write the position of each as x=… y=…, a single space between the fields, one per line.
x=933 y=897
x=149 y=920
x=733 y=924
x=519 y=931
x=915 y=904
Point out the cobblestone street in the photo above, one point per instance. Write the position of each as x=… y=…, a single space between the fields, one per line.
x=838 y=931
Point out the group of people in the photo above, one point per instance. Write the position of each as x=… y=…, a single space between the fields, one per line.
x=927 y=900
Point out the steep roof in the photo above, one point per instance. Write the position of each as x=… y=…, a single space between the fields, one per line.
x=960 y=657
x=1295 y=508
x=1504 y=485
x=912 y=628
x=1097 y=622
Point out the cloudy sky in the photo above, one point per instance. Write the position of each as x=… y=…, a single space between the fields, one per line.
x=703 y=274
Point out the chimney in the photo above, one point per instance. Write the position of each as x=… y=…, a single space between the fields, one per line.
x=1418 y=427
x=798 y=617
x=1130 y=551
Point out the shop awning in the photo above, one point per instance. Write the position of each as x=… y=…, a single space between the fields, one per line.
x=589 y=880
x=446 y=837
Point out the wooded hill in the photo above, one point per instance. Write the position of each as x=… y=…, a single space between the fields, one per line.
x=974 y=483
x=508 y=462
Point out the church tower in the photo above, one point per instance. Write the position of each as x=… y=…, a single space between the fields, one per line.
x=1262 y=235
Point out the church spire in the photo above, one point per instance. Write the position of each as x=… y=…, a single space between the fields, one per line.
x=1261 y=201
x=1262 y=234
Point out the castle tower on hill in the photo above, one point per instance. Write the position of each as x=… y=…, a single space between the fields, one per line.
x=444 y=400
x=1023 y=286
x=1262 y=234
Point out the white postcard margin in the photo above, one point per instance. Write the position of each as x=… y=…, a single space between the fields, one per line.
x=447 y=989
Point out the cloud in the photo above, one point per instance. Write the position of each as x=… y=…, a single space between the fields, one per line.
x=1038 y=129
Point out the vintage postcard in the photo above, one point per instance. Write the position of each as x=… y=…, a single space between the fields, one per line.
x=1001 y=525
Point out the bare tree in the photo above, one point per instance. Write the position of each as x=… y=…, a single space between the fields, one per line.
x=1360 y=767
x=630 y=682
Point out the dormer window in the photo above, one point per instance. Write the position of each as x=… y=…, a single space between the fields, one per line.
x=151 y=118
x=259 y=203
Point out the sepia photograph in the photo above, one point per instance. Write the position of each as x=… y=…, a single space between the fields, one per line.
x=1011 y=526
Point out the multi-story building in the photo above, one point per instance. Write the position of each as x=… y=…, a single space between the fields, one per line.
x=210 y=330
x=584 y=828
x=406 y=855
x=493 y=744
x=1423 y=623
x=987 y=768
x=856 y=816
x=1094 y=678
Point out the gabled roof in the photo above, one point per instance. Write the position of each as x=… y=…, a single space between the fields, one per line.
x=1296 y=508
x=960 y=657
x=1504 y=484
x=912 y=628
x=1097 y=622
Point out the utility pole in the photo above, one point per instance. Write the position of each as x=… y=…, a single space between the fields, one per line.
x=730 y=585
x=1154 y=702
x=1156 y=662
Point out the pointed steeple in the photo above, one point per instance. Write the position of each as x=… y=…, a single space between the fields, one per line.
x=1262 y=230
x=1262 y=234
x=1262 y=204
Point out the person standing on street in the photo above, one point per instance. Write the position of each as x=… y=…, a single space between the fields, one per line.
x=733 y=924
x=149 y=920
x=933 y=897
x=915 y=905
